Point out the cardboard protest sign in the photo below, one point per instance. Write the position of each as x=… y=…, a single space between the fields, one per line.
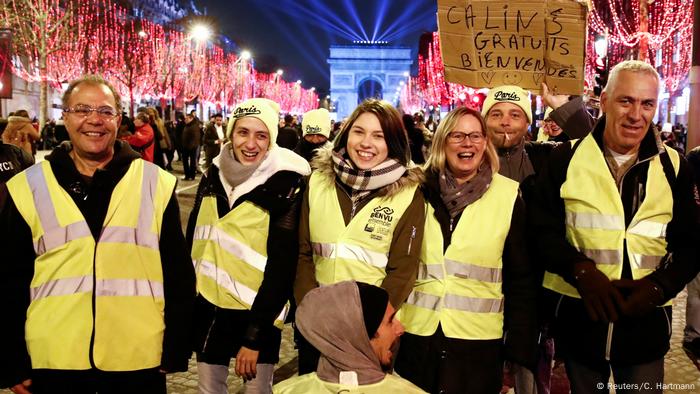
x=487 y=43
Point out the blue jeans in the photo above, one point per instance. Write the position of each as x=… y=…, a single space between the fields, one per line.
x=212 y=379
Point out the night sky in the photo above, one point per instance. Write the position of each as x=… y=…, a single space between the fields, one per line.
x=295 y=34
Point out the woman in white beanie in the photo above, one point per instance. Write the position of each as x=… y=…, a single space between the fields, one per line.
x=474 y=283
x=243 y=235
x=362 y=215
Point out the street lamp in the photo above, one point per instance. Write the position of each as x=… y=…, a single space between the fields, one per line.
x=200 y=32
x=601 y=47
x=245 y=55
x=280 y=72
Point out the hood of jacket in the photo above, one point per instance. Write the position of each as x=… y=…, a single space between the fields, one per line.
x=276 y=160
x=331 y=319
x=323 y=164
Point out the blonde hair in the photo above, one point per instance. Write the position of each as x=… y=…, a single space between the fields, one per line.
x=635 y=66
x=437 y=158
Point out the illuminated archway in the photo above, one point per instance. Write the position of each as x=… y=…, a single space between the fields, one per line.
x=369 y=88
x=360 y=71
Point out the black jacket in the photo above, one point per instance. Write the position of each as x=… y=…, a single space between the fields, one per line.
x=92 y=196
x=281 y=196
x=519 y=279
x=287 y=137
x=12 y=161
x=634 y=340
x=575 y=122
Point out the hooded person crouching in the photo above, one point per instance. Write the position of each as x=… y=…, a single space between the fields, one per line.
x=353 y=325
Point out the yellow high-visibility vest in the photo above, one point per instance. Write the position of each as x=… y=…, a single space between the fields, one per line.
x=121 y=272
x=230 y=255
x=359 y=251
x=311 y=383
x=462 y=289
x=595 y=217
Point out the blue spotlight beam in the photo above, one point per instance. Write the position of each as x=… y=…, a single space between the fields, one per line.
x=411 y=12
x=322 y=15
x=315 y=52
x=382 y=7
x=352 y=12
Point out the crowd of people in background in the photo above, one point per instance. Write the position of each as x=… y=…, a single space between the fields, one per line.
x=419 y=255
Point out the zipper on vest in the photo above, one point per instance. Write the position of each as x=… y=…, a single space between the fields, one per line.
x=410 y=241
x=622 y=180
x=556 y=310
x=668 y=321
x=608 y=343
x=206 y=339
x=451 y=222
x=94 y=301
x=352 y=212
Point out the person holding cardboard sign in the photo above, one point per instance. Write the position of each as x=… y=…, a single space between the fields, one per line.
x=508 y=114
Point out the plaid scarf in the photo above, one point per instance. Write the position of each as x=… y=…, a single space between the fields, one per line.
x=363 y=182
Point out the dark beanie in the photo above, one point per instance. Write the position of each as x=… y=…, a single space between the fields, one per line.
x=374 y=300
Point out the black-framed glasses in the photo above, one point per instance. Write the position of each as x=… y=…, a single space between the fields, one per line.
x=83 y=111
x=456 y=137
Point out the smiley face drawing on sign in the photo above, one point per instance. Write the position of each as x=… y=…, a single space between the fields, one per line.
x=512 y=78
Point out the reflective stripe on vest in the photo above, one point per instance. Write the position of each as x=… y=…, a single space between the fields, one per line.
x=230 y=255
x=237 y=248
x=105 y=288
x=595 y=221
x=56 y=235
x=239 y=290
x=127 y=324
x=460 y=303
x=460 y=290
x=360 y=250
x=351 y=252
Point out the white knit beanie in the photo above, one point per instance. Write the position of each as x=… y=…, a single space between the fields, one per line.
x=317 y=121
x=508 y=94
x=264 y=109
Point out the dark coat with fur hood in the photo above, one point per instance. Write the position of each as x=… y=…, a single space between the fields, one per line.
x=402 y=267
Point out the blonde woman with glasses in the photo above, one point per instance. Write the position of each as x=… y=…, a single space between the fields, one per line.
x=475 y=283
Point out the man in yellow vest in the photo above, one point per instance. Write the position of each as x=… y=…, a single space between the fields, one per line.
x=91 y=301
x=616 y=218
x=356 y=339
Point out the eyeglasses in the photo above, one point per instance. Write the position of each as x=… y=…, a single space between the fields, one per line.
x=456 y=137
x=83 y=111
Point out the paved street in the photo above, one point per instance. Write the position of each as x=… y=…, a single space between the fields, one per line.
x=682 y=376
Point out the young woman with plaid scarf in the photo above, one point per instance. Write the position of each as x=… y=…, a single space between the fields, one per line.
x=362 y=214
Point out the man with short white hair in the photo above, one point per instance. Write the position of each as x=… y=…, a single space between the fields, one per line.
x=617 y=221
